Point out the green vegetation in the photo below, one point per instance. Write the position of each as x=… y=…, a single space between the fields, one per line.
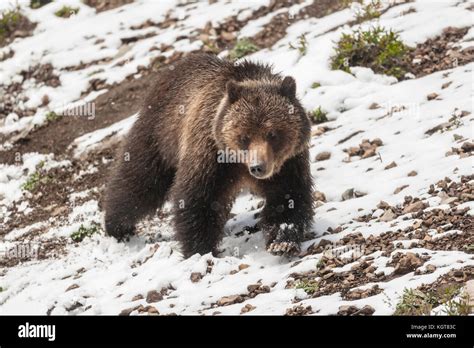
x=9 y=21
x=309 y=286
x=301 y=46
x=39 y=3
x=67 y=11
x=52 y=116
x=416 y=302
x=242 y=48
x=315 y=85
x=36 y=179
x=376 y=48
x=84 y=232
x=318 y=116
x=369 y=11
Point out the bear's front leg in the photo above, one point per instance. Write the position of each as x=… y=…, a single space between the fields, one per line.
x=288 y=210
x=201 y=207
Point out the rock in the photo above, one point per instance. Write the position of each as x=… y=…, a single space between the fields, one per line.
x=126 y=312
x=323 y=156
x=152 y=310
x=374 y=106
x=446 y=84
x=413 y=173
x=228 y=300
x=400 y=189
x=253 y=287
x=72 y=287
x=383 y=205
x=247 y=308
x=369 y=152
x=226 y=36
x=137 y=297
x=319 y=196
x=467 y=146
x=408 y=263
x=348 y=194
x=432 y=96
x=390 y=166
x=153 y=296
x=353 y=151
x=195 y=277
x=347 y=310
x=243 y=266
x=430 y=268
x=414 y=207
x=377 y=142
x=389 y=215
x=366 y=310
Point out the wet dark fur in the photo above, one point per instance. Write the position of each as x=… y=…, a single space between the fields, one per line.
x=173 y=146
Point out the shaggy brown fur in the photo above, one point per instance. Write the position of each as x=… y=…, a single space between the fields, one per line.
x=202 y=106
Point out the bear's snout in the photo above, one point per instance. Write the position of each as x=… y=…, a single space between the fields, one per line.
x=261 y=160
x=258 y=170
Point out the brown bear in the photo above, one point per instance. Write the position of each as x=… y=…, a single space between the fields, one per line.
x=201 y=108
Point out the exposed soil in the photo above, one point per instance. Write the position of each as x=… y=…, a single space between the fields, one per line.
x=440 y=53
x=105 y=5
x=20 y=28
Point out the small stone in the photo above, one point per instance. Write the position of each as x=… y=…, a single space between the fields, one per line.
x=348 y=194
x=390 y=166
x=374 y=106
x=126 y=312
x=153 y=296
x=319 y=196
x=446 y=84
x=353 y=151
x=430 y=268
x=323 y=156
x=408 y=263
x=247 y=308
x=389 y=215
x=413 y=173
x=467 y=146
x=400 y=189
x=366 y=310
x=72 y=287
x=432 y=96
x=243 y=266
x=253 y=287
x=227 y=36
x=228 y=300
x=414 y=207
x=369 y=152
x=377 y=142
x=195 y=277
x=137 y=297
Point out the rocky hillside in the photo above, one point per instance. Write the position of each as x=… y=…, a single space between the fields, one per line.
x=388 y=88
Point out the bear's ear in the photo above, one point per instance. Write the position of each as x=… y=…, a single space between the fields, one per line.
x=288 y=87
x=234 y=91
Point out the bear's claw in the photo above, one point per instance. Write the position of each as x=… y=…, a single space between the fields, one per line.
x=283 y=248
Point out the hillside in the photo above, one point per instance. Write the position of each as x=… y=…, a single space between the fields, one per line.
x=392 y=159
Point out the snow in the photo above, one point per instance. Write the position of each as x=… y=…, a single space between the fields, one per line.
x=116 y=272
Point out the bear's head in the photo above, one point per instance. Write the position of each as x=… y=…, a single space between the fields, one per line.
x=264 y=121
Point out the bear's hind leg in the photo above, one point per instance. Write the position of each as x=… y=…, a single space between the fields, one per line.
x=138 y=187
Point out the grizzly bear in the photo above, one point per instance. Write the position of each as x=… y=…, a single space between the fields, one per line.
x=198 y=108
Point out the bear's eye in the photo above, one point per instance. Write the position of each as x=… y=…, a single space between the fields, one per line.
x=244 y=140
x=272 y=135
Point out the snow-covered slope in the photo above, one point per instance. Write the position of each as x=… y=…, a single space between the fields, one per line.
x=102 y=276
